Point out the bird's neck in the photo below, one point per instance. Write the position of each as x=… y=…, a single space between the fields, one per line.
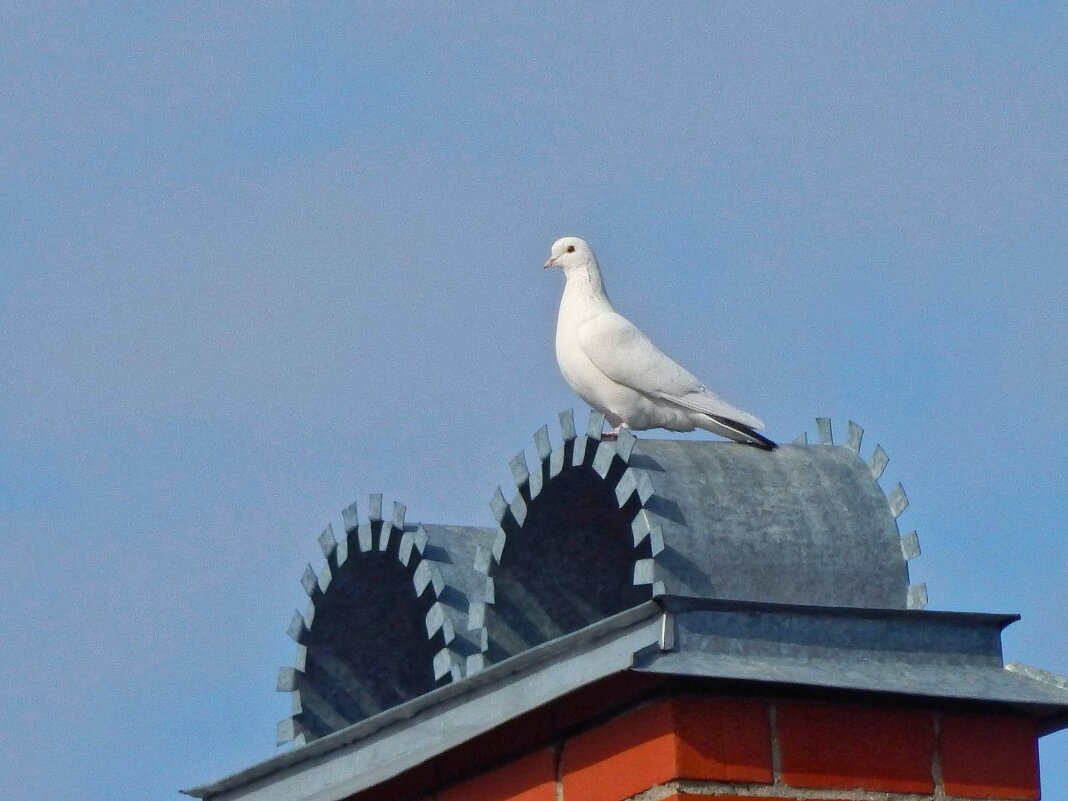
x=584 y=286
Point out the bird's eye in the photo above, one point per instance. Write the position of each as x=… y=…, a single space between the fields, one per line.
x=570 y=248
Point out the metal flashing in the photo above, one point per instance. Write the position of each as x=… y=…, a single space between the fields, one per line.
x=946 y=657
x=387 y=587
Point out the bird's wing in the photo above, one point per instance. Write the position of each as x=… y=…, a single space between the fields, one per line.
x=623 y=353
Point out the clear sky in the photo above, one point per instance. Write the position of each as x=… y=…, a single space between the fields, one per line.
x=259 y=262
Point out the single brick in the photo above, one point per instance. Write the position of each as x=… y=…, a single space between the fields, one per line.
x=847 y=747
x=622 y=757
x=723 y=739
x=531 y=778
x=989 y=756
x=692 y=797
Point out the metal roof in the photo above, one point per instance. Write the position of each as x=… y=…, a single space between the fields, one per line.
x=709 y=560
x=598 y=526
x=946 y=657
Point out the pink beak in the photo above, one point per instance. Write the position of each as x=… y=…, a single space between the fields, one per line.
x=551 y=262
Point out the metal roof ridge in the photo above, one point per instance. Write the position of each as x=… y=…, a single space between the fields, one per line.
x=688 y=603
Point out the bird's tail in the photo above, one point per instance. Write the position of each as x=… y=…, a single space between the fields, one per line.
x=739 y=432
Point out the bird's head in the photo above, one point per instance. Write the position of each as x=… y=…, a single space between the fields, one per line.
x=570 y=252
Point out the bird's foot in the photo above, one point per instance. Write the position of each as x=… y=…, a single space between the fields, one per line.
x=613 y=435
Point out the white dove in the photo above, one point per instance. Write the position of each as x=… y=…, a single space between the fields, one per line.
x=618 y=371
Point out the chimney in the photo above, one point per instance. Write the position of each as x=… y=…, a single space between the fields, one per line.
x=647 y=620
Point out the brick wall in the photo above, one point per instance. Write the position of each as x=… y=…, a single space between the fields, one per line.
x=687 y=747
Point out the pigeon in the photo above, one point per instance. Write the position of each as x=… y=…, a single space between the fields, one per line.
x=617 y=369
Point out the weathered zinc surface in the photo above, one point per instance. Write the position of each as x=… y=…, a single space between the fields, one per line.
x=386 y=619
x=932 y=657
x=703 y=561
x=593 y=528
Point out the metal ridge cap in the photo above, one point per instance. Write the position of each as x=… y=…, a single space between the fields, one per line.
x=685 y=603
x=1041 y=708
x=523 y=662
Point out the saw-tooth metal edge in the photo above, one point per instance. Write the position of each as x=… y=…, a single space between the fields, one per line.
x=406 y=543
x=897 y=500
x=610 y=460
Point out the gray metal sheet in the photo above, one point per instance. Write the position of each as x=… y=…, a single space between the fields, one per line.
x=800 y=524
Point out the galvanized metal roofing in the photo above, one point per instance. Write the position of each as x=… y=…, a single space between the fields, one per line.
x=709 y=560
x=945 y=657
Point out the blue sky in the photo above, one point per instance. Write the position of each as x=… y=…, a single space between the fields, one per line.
x=260 y=261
